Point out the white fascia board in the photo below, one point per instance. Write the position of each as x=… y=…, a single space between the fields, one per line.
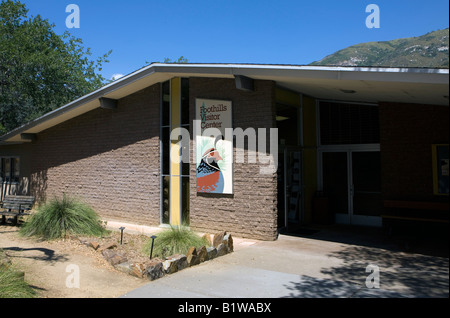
x=256 y=71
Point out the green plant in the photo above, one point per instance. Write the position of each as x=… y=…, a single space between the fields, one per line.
x=176 y=240
x=12 y=284
x=61 y=217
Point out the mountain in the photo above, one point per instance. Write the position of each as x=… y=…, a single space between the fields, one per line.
x=429 y=50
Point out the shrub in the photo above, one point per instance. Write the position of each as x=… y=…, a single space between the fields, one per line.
x=12 y=284
x=176 y=240
x=62 y=217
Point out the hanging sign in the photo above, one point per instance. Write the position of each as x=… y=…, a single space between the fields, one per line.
x=214 y=154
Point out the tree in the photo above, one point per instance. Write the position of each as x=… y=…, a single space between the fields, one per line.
x=39 y=69
x=181 y=59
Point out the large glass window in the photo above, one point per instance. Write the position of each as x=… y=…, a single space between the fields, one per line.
x=165 y=152
x=185 y=123
x=172 y=176
x=10 y=169
x=345 y=123
x=165 y=104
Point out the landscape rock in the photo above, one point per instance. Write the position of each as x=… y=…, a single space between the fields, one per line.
x=192 y=257
x=124 y=267
x=208 y=239
x=109 y=246
x=138 y=270
x=211 y=252
x=218 y=239
x=221 y=244
x=84 y=241
x=221 y=250
x=114 y=257
x=94 y=245
x=202 y=254
x=174 y=263
x=154 y=269
x=228 y=241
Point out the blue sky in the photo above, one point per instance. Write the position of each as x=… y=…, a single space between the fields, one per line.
x=235 y=31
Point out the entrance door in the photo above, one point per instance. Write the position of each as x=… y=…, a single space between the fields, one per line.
x=351 y=180
x=290 y=200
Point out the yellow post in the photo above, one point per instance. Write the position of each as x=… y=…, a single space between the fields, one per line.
x=175 y=167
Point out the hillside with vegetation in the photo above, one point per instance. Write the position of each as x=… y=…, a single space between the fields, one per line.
x=429 y=50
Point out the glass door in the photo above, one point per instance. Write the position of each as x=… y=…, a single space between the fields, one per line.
x=335 y=184
x=351 y=179
x=366 y=187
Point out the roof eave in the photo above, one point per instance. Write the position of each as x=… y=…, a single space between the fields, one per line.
x=274 y=72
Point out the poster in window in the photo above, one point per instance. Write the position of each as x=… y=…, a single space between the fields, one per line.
x=440 y=156
x=214 y=154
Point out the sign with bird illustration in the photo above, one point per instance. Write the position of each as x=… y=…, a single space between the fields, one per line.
x=214 y=154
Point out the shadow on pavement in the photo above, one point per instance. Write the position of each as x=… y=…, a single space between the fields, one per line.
x=419 y=268
x=48 y=255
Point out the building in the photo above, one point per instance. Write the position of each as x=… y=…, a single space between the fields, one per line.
x=350 y=142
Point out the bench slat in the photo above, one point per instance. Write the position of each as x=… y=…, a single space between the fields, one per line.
x=414 y=219
x=438 y=206
x=17 y=206
x=432 y=212
x=17 y=203
x=13 y=213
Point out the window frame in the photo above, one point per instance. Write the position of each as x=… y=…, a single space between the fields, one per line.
x=13 y=176
x=319 y=123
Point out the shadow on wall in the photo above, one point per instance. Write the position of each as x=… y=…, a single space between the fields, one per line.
x=20 y=188
x=39 y=186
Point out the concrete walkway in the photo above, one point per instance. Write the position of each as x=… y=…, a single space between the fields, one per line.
x=332 y=263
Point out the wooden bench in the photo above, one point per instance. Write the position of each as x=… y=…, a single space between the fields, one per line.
x=414 y=211
x=16 y=205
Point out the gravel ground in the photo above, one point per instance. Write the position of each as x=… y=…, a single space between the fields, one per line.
x=53 y=267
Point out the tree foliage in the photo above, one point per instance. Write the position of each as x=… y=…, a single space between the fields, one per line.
x=181 y=59
x=39 y=69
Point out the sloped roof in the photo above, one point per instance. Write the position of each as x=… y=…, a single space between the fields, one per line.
x=367 y=84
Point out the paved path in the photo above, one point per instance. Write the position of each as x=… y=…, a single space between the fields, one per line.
x=327 y=264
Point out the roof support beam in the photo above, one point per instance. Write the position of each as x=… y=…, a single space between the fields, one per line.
x=244 y=83
x=28 y=137
x=108 y=103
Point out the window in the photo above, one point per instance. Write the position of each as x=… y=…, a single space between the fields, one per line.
x=165 y=152
x=174 y=114
x=10 y=169
x=342 y=123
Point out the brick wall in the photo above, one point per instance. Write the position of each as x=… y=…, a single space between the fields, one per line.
x=110 y=158
x=251 y=210
x=407 y=132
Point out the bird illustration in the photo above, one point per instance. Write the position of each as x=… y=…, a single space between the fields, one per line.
x=209 y=176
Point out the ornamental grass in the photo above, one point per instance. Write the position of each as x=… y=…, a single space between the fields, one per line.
x=175 y=240
x=61 y=217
